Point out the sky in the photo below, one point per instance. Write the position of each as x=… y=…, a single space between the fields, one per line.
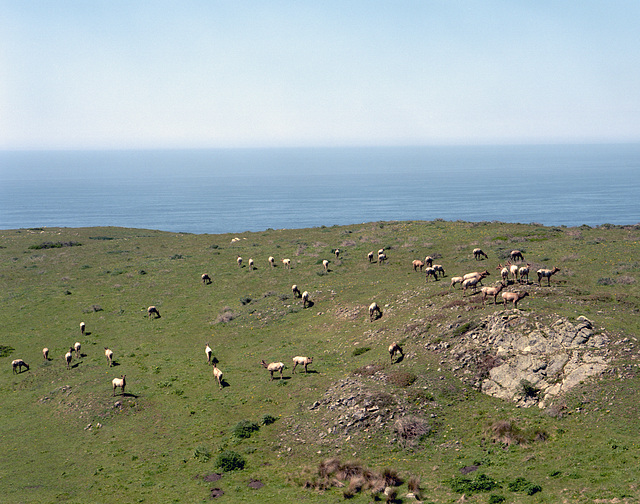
x=127 y=74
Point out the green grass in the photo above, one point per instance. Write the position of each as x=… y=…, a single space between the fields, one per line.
x=65 y=438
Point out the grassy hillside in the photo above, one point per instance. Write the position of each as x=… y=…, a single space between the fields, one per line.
x=65 y=438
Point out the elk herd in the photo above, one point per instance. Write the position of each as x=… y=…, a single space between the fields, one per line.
x=512 y=273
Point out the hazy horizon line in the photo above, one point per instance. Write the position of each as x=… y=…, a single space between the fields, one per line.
x=324 y=146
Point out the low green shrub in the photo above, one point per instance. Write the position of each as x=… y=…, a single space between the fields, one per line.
x=468 y=486
x=268 y=419
x=202 y=453
x=360 y=351
x=230 y=461
x=244 y=429
x=50 y=245
x=527 y=389
x=6 y=351
x=466 y=327
x=522 y=485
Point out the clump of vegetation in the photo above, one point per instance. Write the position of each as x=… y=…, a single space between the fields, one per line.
x=381 y=399
x=6 y=351
x=504 y=432
x=226 y=316
x=92 y=309
x=463 y=328
x=245 y=428
x=606 y=281
x=401 y=378
x=528 y=389
x=411 y=430
x=202 y=454
x=414 y=486
x=360 y=351
x=51 y=245
x=486 y=364
x=391 y=477
x=101 y=238
x=268 y=419
x=369 y=370
x=229 y=460
x=496 y=499
x=469 y=486
x=176 y=256
x=420 y=396
x=334 y=472
x=245 y=300
x=522 y=485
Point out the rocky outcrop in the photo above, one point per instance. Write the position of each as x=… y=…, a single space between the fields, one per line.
x=532 y=362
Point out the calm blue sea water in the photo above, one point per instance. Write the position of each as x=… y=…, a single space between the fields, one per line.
x=218 y=191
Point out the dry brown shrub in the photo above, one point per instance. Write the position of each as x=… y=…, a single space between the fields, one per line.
x=378 y=485
x=504 y=432
x=356 y=484
x=328 y=467
x=391 y=477
x=381 y=399
x=349 y=470
x=226 y=316
x=414 y=485
x=401 y=378
x=486 y=364
x=411 y=430
x=334 y=473
x=369 y=369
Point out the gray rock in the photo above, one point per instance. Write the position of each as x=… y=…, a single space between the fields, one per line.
x=553 y=359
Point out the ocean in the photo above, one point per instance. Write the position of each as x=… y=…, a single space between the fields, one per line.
x=235 y=190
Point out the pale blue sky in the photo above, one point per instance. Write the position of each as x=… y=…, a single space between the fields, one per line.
x=181 y=74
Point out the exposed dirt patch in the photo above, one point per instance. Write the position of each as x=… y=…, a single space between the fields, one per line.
x=212 y=477
x=255 y=483
x=216 y=492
